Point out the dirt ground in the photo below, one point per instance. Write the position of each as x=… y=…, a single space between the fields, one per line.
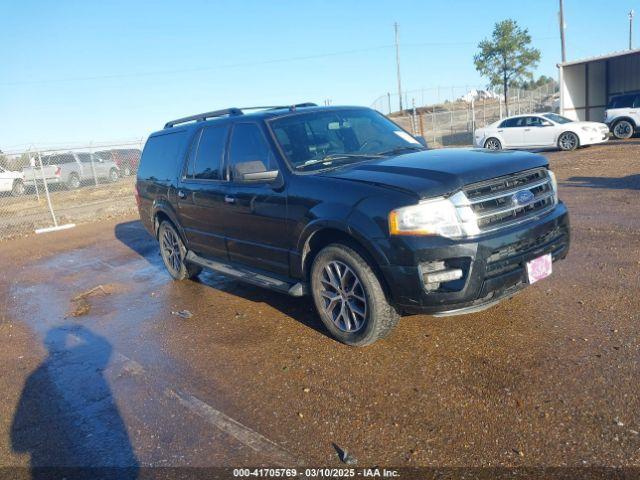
x=20 y=216
x=246 y=377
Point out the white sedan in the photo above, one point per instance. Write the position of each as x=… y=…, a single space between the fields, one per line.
x=540 y=131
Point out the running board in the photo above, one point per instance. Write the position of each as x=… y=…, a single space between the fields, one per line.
x=249 y=276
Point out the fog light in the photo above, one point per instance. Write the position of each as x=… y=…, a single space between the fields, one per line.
x=443 y=276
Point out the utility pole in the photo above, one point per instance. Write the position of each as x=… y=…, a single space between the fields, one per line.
x=395 y=26
x=564 y=54
x=631 y=13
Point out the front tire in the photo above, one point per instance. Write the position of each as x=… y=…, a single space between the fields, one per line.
x=568 y=141
x=18 y=188
x=623 y=129
x=493 y=144
x=126 y=170
x=349 y=297
x=173 y=253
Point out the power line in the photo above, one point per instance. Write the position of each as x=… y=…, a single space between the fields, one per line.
x=236 y=65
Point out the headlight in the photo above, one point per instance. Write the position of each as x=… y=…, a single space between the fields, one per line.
x=554 y=184
x=589 y=129
x=448 y=217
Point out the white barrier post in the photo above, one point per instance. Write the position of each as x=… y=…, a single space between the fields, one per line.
x=53 y=215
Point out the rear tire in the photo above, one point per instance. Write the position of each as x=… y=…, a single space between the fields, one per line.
x=18 y=188
x=493 y=144
x=173 y=253
x=73 y=182
x=113 y=175
x=623 y=129
x=568 y=141
x=126 y=170
x=349 y=297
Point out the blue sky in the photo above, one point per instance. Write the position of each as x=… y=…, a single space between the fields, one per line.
x=80 y=71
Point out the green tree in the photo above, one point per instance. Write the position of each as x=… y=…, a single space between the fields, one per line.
x=507 y=56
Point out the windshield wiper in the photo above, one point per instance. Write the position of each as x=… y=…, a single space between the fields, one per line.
x=338 y=156
x=402 y=149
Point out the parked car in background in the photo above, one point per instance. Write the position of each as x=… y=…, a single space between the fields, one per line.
x=11 y=182
x=542 y=130
x=127 y=159
x=71 y=170
x=623 y=115
x=344 y=205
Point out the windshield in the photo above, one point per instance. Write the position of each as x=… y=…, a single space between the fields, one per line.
x=557 y=118
x=317 y=140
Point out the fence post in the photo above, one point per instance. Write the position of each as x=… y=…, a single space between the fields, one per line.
x=46 y=190
x=93 y=167
x=413 y=116
x=451 y=120
x=421 y=125
x=473 y=115
x=433 y=121
x=389 y=102
x=32 y=164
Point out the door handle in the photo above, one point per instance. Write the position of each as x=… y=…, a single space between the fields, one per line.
x=182 y=194
x=527 y=129
x=229 y=199
x=500 y=131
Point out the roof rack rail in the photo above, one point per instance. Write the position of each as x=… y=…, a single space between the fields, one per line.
x=201 y=117
x=280 y=107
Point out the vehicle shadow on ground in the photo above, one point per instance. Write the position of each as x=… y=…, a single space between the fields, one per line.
x=133 y=235
x=66 y=418
x=630 y=182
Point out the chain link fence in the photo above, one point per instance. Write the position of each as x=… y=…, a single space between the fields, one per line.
x=452 y=121
x=44 y=189
x=53 y=188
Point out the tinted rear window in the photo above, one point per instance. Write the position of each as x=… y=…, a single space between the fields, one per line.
x=622 y=101
x=160 y=156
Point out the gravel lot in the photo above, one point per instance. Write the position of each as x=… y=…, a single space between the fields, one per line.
x=549 y=378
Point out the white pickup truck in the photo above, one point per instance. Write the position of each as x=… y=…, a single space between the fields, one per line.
x=71 y=170
x=12 y=182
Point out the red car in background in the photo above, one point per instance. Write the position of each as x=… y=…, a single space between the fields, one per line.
x=127 y=159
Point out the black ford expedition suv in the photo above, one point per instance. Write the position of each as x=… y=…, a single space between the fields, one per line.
x=343 y=204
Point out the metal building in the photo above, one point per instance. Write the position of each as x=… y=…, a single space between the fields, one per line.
x=587 y=85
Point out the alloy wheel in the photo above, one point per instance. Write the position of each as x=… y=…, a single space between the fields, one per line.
x=493 y=144
x=171 y=249
x=343 y=297
x=623 y=129
x=568 y=141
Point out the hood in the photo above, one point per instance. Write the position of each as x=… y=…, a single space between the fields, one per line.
x=434 y=173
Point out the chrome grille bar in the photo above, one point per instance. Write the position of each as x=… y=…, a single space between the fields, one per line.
x=493 y=205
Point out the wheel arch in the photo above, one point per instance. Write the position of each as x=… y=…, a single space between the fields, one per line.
x=494 y=136
x=162 y=211
x=621 y=118
x=326 y=233
x=574 y=132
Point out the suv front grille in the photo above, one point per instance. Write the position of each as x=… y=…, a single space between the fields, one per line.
x=495 y=205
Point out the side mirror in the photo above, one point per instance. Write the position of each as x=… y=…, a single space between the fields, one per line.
x=266 y=176
x=254 y=171
x=421 y=140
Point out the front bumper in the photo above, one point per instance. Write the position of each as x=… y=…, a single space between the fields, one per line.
x=594 y=138
x=493 y=265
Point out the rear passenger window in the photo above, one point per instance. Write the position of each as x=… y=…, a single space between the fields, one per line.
x=249 y=152
x=205 y=156
x=636 y=103
x=160 y=156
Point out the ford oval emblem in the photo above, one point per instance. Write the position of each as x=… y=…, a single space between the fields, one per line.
x=523 y=197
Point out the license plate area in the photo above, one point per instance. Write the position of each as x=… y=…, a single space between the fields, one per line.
x=539 y=268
